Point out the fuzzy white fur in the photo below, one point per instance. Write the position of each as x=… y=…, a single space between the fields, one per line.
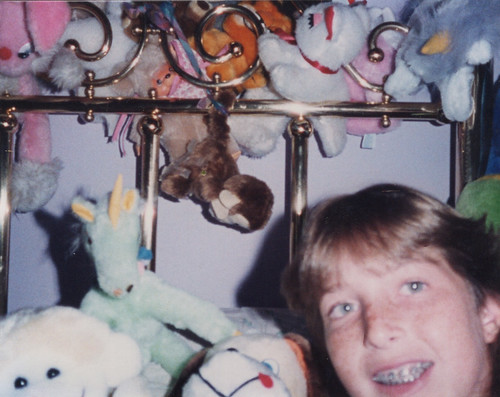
x=258 y=364
x=230 y=371
x=332 y=44
x=61 y=352
x=33 y=183
x=474 y=35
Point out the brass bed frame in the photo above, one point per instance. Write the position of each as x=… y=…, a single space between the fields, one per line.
x=466 y=150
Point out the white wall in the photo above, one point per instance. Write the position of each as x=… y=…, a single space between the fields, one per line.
x=210 y=261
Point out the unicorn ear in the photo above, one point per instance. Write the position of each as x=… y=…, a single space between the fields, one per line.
x=83 y=209
x=130 y=200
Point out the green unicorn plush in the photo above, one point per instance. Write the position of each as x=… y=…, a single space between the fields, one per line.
x=134 y=300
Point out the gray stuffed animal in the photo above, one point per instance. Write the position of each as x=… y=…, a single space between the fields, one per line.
x=447 y=38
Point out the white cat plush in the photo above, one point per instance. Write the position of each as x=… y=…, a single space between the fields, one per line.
x=309 y=66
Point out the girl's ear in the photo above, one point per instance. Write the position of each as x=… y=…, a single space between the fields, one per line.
x=490 y=318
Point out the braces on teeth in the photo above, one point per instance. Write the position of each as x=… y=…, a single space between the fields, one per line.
x=407 y=374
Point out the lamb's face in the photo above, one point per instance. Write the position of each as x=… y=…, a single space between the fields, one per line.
x=29 y=375
x=61 y=352
x=332 y=34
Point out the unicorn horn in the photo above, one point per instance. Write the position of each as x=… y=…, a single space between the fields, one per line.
x=115 y=201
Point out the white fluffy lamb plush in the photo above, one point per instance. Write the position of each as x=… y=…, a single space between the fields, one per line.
x=62 y=352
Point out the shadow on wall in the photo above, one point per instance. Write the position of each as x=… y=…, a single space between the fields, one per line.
x=261 y=288
x=75 y=271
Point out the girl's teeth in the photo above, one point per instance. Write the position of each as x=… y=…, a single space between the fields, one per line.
x=405 y=374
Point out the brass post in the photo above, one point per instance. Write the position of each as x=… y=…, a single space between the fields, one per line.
x=151 y=129
x=299 y=129
x=473 y=136
x=8 y=125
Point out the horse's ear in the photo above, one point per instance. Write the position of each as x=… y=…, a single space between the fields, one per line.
x=129 y=200
x=85 y=211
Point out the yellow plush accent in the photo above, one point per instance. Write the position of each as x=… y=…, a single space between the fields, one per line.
x=437 y=44
x=115 y=201
x=83 y=212
x=129 y=200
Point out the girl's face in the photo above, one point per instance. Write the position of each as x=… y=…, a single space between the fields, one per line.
x=409 y=329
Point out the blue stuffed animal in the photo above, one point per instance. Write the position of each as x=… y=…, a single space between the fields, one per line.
x=446 y=39
x=134 y=300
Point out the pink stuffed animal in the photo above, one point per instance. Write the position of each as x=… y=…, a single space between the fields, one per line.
x=29 y=30
x=375 y=74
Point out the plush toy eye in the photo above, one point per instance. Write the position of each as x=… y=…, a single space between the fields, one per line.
x=25 y=51
x=20 y=383
x=272 y=365
x=89 y=241
x=53 y=373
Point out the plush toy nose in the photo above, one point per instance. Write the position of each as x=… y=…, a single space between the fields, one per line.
x=5 y=53
x=119 y=292
x=266 y=380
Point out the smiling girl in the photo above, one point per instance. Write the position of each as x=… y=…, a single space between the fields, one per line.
x=403 y=292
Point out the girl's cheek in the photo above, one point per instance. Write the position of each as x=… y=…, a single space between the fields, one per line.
x=340 y=338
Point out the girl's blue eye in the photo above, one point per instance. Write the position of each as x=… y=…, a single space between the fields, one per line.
x=413 y=287
x=342 y=310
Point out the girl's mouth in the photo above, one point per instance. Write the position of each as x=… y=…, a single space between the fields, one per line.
x=404 y=374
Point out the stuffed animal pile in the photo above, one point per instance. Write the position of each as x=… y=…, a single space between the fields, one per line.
x=67 y=71
x=447 y=38
x=134 y=300
x=62 y=352
x=309 y=66
x=235 y=29
x=28 y=32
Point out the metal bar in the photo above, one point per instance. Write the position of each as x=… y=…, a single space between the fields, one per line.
x=300 y=130
x=8 y=125
x=151 y=129
x=83 y=105
x=473 y=136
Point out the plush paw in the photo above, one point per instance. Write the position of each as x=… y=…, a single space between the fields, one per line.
x=332 y=135
x=455 y=94
x=222 y=206
x=402 y=81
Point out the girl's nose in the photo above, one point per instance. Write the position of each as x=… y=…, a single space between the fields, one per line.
x=5 y=53
x=381 y=327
